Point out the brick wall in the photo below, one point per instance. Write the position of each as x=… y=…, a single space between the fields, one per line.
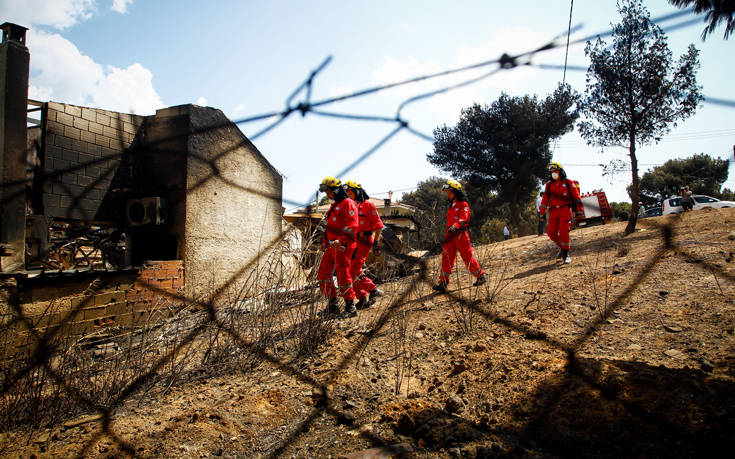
x=157 y=280
x=82 y=153
x=97 y=302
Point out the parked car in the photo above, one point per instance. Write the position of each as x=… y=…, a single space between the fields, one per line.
x=672 y=205
x=652 y=212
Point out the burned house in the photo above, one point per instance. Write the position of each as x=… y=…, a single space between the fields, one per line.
x=88 y=190
x=399 y=235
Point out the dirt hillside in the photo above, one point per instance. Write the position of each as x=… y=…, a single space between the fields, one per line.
x=627 y=351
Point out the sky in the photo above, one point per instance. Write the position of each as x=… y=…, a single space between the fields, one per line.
x=247 y=57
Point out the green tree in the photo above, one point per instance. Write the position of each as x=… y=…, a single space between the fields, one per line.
x=432 y=203
x=702 y=173
x=717 y=11
x=620 y=210
x=504 y=148
x=635 y=92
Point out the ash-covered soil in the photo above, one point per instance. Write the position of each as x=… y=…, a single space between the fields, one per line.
x=628 y=351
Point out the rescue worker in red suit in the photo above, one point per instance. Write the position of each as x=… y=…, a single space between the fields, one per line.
x=456 y=238
x=369 y=227
x=339 y=243
x=560 y=200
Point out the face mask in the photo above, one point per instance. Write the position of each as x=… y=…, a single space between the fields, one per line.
x=555 y=175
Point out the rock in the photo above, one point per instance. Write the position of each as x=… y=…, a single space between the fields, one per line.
x=419 y=335
x=453 y=404
x=731 y=236
x=674 y=354
x=381 y=452
x=421 y=326
x=634 y=347
x=479 y=347
x=663 y=293
x=459 y=367
x=706 y=366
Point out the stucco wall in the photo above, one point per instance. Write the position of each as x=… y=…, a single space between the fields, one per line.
x=233 y=204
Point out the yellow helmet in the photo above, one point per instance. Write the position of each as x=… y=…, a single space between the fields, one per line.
x=452 y=184
x=555 y=166
x=328 y=183
x=352 y=184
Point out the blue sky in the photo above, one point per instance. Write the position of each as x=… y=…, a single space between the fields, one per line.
x=246 y=58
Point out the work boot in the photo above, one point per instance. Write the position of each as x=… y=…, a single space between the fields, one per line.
x=362 y=303
x=332 y=308
x=441 y=287
x=350 y=310
x=374 y=295
x=480 y=280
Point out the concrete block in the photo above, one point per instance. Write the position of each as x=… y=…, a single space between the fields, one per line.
x=65 y=119
x=59 y=164
x=95 y=127
x=103 y=298
x=53 y=127
x=111 y=132
x=55 y=106
x=73 y=110
x=63 y=142
x=87 y=136
x=103 y=119
x=111 y=153
x=95 y=313
x=89 y=114
x=118 y=308
x=129 y=128
x=81 y=123
x=101 y=140
x=52 y=151
x=78 y=145
x=70 y=155
x=94 y=149
x=92 y=171
x=72 y=132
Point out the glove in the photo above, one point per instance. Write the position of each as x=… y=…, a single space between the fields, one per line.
x=376 y=248
x=579 y=215
x=453 y=229
x=542 y=217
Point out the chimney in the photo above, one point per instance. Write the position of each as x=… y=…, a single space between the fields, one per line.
x=14 y=59
x=387 y=204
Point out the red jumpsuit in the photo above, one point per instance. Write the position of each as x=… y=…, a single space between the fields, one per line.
x=458 y=216
x=369 y=221
x=558 y=199
x=341 y=226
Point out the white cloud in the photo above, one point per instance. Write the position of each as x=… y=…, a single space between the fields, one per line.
x=60 y=72
x=55 y=13
x=121 y=6
x=202 y=101
x=127 y=90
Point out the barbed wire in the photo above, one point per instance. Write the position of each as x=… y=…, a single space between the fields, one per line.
x=44 y=348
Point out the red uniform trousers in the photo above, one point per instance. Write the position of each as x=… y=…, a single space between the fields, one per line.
x=338 y=260
x=453 y=243
x=560 y=222
x=362 y=284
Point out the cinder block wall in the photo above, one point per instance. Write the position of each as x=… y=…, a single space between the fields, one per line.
x=82 y=306
x=83 y=148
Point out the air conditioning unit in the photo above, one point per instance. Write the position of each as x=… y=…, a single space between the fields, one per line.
x=144 y=211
